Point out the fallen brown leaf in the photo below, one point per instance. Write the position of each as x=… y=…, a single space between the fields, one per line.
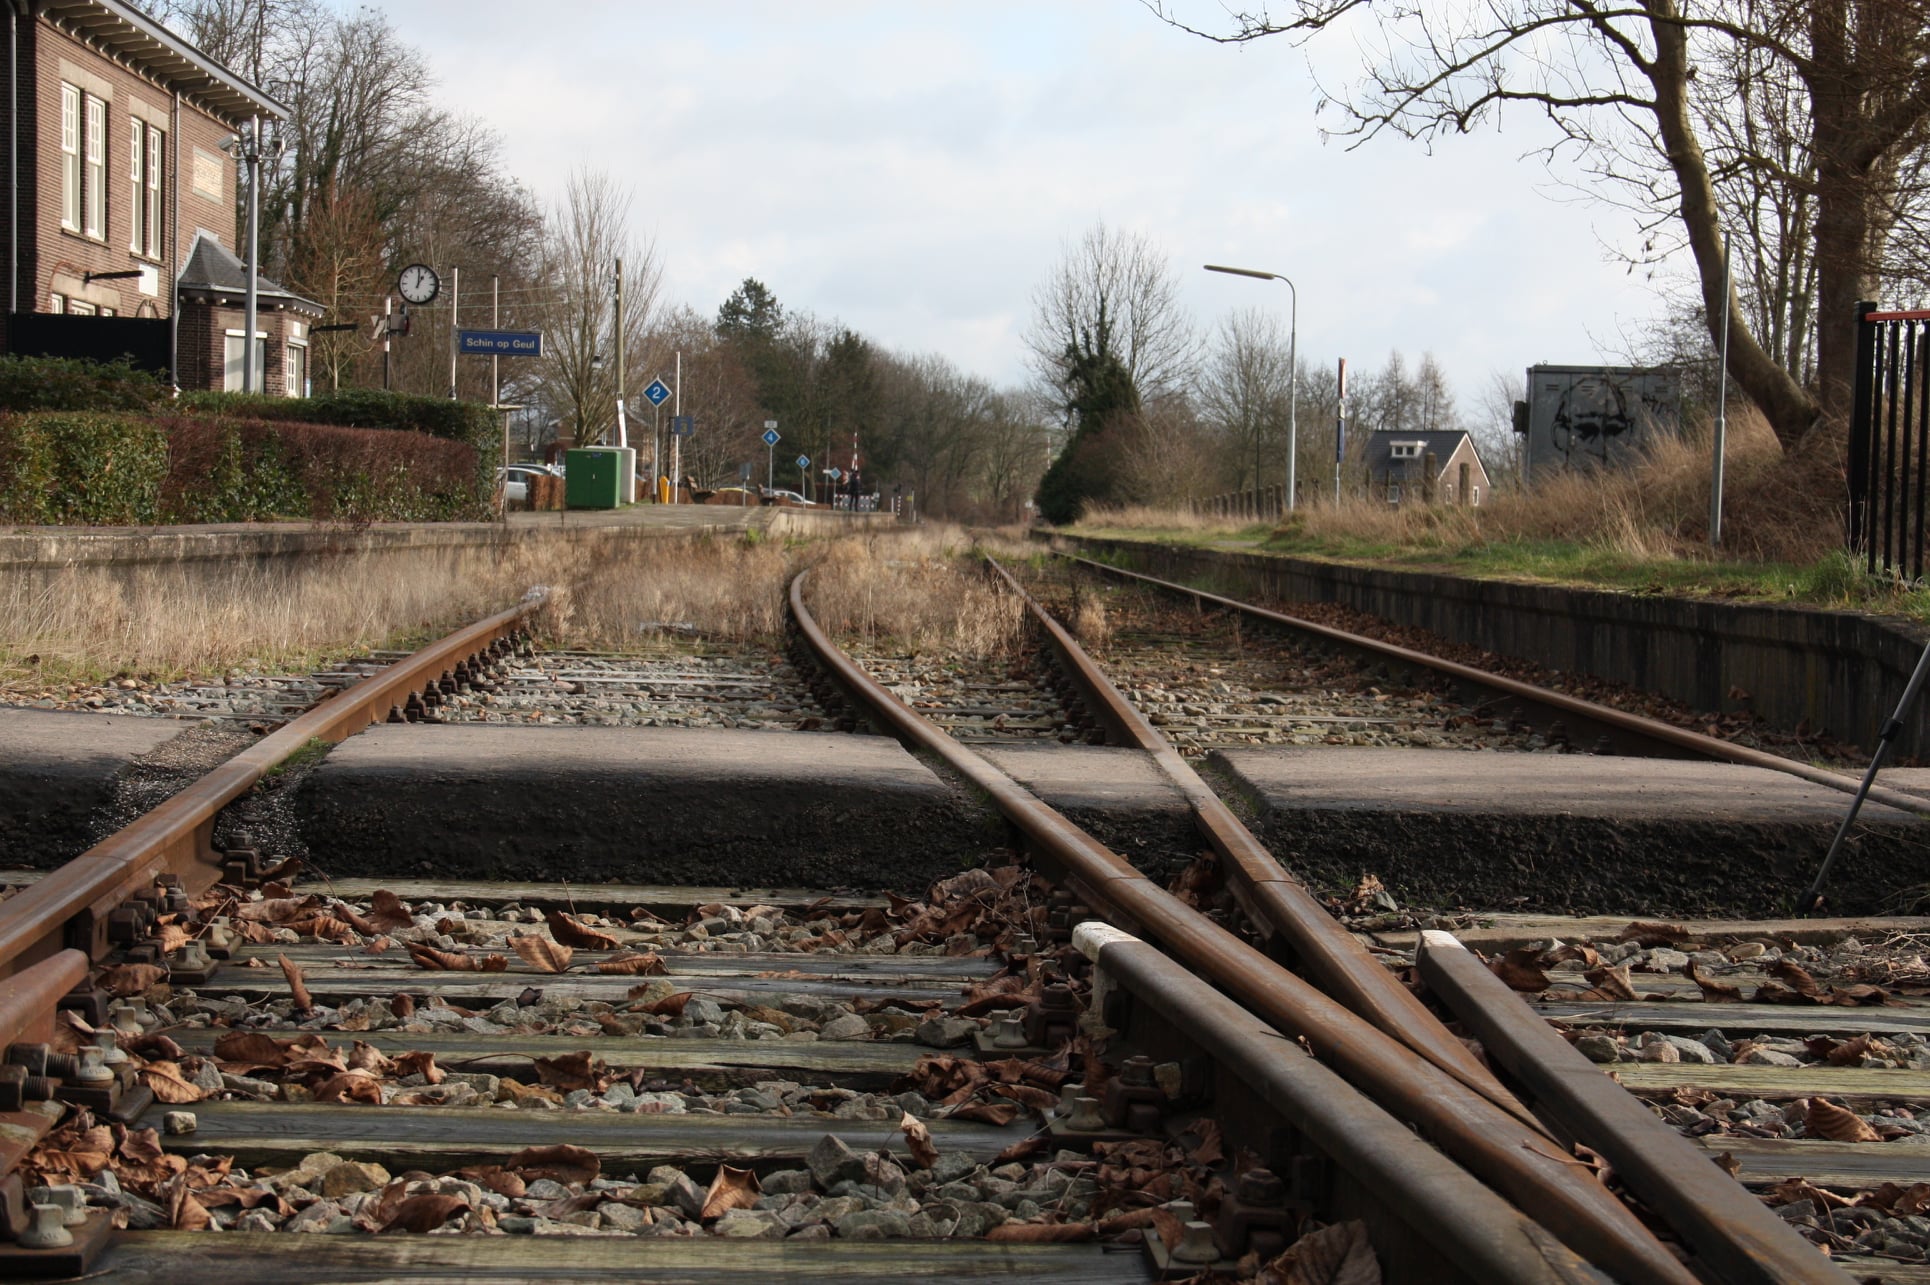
x=124 y=980
x=350 y=1086
x=1795 y=975
x=923 y=1151
x=1614 y=982
x=1824 y=1119
x=367 y=1057
x=542 y=954
x=649 y=964
x=297 y=988
x=1519 y=971
x=1653 y=934
x=387 y=912
x=570 y=932
x=730 y=1189
x=251 y=1047
x=570 y=1071
x=1713 y=990
x=185 y=1213
x=1336 y=1255
x=1040 y=1233
x=560 y=1163
x=168 y=1084
x=668 y=1006
x=425 y=1213
x=422 y=1064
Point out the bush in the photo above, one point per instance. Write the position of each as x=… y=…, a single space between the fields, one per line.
x=68 y=383
x=85 y=469
x=99 y=469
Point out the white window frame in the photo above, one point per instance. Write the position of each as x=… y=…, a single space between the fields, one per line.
x=1393 y=492
x=93 y=187
x=57 y=303
x=231 y=368
x=137 y=163
x=156 y=151
x=1474 y=495
x=81 y=308
x=70 y=184
x=1404 y=450
x=294 y=369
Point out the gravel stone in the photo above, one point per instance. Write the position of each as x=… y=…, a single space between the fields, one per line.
x=848 y=1027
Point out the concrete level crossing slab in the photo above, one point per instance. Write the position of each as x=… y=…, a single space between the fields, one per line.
x=57 y=775
x=1573 y=833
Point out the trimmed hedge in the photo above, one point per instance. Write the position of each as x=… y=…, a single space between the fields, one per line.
x=100 y=469
x=68 y=383
x=471 y=423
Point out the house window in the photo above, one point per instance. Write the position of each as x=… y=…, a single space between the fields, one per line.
x=232 y=357
x=155 y=246
x=70 y=158
x=1393 y=493
x=294 y=370
x=1476 y=494
x=144 y=208
x=94 y=185
x=58 y=303
x=1404 y=450
x=80 y=308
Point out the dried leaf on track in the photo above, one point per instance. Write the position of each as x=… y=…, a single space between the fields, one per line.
x=124 y=980
x=251 y=1047
x=1714 y=991
x=453 y=961
x=1000 y=1113
x=542 y=954
x=1824 y=1119
x=495 y=1178
x=425 y=1213
x=168 y=1084
x=277 y=910
x=347 y=914
x=367 y=1057
x=1613 y=982
x=1519 y=971
x=350 y=1086
x=1653 y=934
x=1849 y=1052
x=1336 y=1255
x=422 y=1064
x=1023 y=1148
x=730 y=1189
x=326 y=928
x=668 y=1006
x=387 y=912
x=1794 y=975
x=297 y=988
x=649 y=964
x=185 y=1213
x=560 y=1163
x=1041 y=1233
x=1791 y=1190
x=579 y=935
x=923 y=1151
x=570 y=1071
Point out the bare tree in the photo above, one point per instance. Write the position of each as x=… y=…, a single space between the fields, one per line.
x=1860 y=70
x=1243 y=392
x=583 y=239
x=1112 y=295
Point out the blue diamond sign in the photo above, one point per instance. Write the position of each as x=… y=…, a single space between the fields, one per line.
x=658 y=392
x=770 y=437
x=804 y=461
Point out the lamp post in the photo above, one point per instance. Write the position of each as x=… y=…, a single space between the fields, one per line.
x=1293 y=370
x=247 y=148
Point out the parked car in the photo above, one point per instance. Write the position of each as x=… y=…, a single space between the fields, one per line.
x=515 y=485
x=789 y=497
x=733 y=495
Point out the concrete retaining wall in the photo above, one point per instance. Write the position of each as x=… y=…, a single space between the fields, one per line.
x=1838 y=672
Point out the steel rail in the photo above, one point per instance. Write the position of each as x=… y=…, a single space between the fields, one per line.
x=70 y=907
x=1736 y=1237
x=1688 y=744
x=1440 y=1202
x=1539 y=1177
x=1272 y=898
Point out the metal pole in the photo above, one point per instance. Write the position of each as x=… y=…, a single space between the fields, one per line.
x=1340 y=430
x=1722 y=409
x=253 y=154
x=495 y=362
x=388 y=304
x=455 y=309
x=1293 y=399
x=623 y=435
x=676 y=442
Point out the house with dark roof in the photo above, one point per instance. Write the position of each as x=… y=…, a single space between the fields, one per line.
x=1440 y=467
x=119 y=221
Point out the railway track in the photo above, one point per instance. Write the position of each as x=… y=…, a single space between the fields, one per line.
x=1057 y=1069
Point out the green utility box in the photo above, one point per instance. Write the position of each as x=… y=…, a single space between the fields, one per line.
x=592 y=479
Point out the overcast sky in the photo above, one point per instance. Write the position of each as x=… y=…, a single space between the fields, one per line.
x=914 y=170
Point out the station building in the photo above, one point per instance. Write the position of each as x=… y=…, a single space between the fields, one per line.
x=120 y=221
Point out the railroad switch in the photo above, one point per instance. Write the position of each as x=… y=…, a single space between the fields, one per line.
x=1255 y=1216
x=1133 y=1099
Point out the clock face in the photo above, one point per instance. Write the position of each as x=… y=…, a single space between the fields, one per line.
x=419 y=283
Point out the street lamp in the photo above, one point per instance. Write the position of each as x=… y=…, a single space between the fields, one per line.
x=1293 y=369
x=247 y=148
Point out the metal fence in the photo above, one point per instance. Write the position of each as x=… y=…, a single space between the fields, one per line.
x=1889 y=464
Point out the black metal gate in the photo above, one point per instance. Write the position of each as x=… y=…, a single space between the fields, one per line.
x=1889 y=464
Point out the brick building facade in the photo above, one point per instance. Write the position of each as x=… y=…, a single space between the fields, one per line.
x=122 y=198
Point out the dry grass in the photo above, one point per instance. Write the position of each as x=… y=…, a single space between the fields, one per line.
x=606 y=592
x=1777 y=508
x=915 y=590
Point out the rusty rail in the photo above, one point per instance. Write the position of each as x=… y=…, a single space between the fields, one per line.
x=70 y=907
x=1536 y=1174
x=1675 y=741
x=1273 y=899
x=1465 y=1222
x=1738 y=1238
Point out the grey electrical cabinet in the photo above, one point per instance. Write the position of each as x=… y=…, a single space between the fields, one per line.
x=1595 y=416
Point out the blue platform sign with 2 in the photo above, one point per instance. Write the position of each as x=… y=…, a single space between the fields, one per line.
x=658 y=392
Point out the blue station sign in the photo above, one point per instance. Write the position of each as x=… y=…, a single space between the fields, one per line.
x=500 y=343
